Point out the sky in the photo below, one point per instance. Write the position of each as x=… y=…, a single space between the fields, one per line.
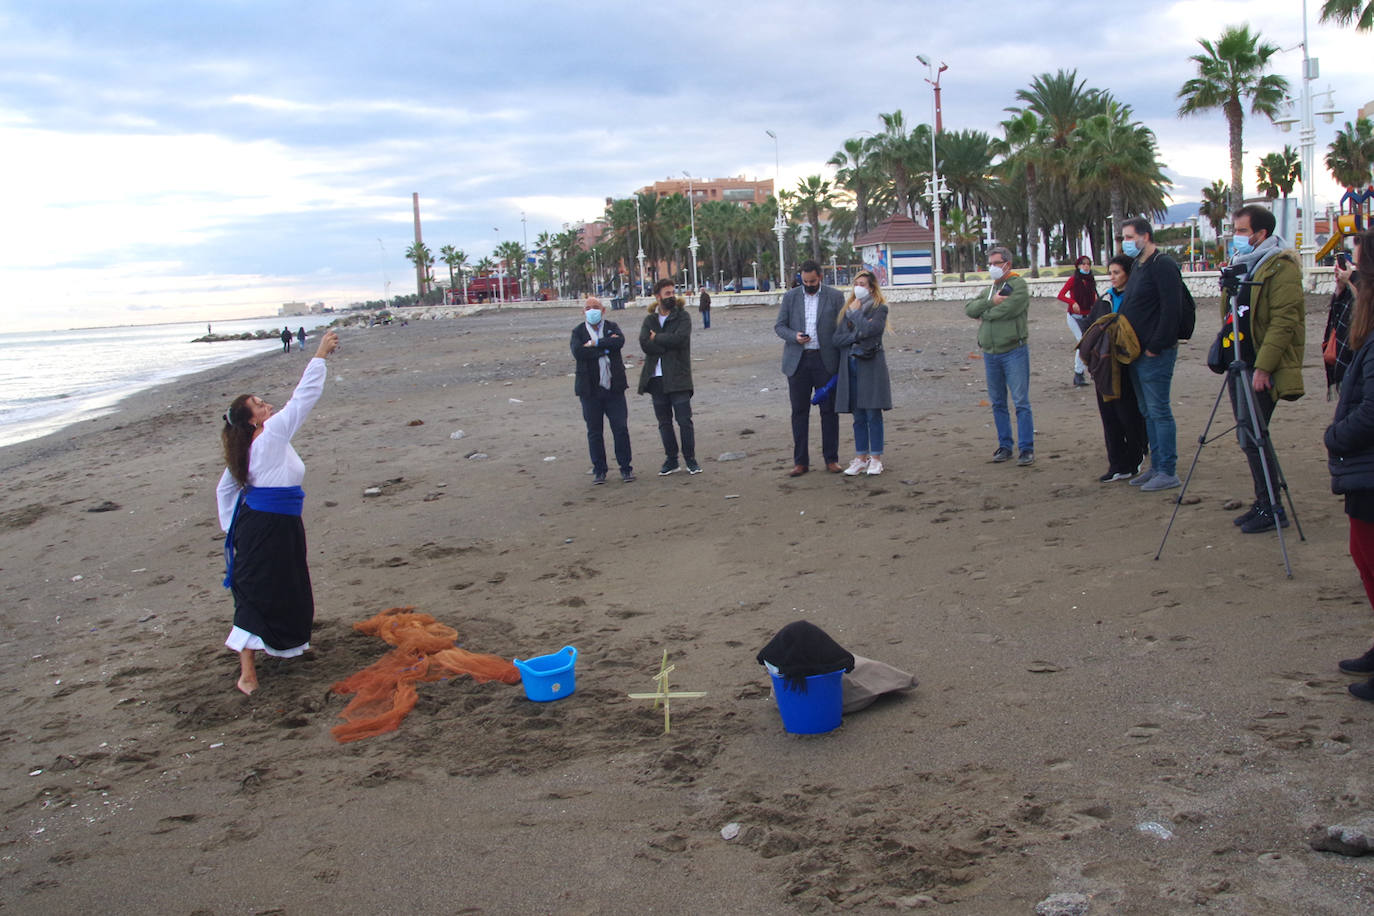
x=188 y=160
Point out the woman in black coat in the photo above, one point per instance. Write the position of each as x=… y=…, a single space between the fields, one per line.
x=1350 y=446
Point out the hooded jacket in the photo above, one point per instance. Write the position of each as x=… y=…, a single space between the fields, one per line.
x=1278 y=314
x=671 y=343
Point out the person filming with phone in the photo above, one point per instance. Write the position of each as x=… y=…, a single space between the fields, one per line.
x=1002 y=333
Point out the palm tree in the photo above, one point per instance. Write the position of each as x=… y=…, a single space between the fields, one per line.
x=903 y=157
x=1022 y=155
x=1344 y=12
x=1351 y=154
x=1277 y=173
x=1228 y=74
x=420 y=255
x=455 y=259
x=1214 y=207
x=513 y=253
x=854 y=172
x=965 y=165
x=1120 y=154
x=962 y=231
x=813 y=196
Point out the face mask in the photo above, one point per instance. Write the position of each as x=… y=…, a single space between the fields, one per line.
x=1130 y=248
x=670 y=301
x=811 y=290
x=997 y=271
x=593 y=316
x=1085 y=271
x=1241 y=244
x=862 y=292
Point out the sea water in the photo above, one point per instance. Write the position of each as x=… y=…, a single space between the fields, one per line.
x=51 y=379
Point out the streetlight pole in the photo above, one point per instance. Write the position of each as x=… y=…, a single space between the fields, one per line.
x=935 y=183
x=525 y=234
x=779 y=227
x=497 y=259
x=639 y=232
x=692 y=245
x=1192 y=230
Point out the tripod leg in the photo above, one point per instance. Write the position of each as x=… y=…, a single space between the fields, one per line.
x=1258 y=429
x=1201 y=441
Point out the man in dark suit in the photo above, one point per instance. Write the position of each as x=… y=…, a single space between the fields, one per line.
x=600 y=385
x=806 y=324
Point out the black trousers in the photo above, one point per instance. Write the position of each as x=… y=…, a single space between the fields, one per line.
x=1240 y=408
x=810 y=375
x=1123 y=428
x=670 y=405
x=597 y=409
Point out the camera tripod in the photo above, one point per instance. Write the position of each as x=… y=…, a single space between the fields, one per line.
x=1240 y=381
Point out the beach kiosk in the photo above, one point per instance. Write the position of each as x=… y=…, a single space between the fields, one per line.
x=899 y=251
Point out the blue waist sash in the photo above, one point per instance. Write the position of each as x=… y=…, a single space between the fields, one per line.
x=278 y=500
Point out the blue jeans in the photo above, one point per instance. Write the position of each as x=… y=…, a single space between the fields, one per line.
x=1011 y=370
x=868 y=421
x=1152 y=377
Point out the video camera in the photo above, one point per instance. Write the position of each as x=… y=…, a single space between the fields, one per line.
x=1230 y=278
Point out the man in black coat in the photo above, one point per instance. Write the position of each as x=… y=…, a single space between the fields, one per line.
x=806 y=324
x=600 y=385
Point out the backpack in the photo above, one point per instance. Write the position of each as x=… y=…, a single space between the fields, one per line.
x=1187 y=310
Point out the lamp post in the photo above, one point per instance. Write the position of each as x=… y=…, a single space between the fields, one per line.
x=524 y=268
x=1192 y=232
x=779 y=227
x=692 y=213
x=936 y=185
x=463 y=278
x=499 y=291
x=639 y=231
x=756 y=276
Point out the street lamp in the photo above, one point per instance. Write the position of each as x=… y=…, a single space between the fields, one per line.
x=639 y=231
x=779 y=227
x=756 y=275
x=1192 y=232
x=936 y=185
x=692 y=212
x=524 y=232
x=496 y=252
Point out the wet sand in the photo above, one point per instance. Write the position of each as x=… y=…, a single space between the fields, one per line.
x=1072 y=688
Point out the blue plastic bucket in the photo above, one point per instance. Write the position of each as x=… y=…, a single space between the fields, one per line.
x=548 y=677
x=814 y=712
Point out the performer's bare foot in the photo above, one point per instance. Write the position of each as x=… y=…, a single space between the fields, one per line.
x=248 y=674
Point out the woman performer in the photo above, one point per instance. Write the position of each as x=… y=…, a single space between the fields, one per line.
x=1079 y=293
x=863 y=387
x=260 y=500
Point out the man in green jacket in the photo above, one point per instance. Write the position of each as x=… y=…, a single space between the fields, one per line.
x=1269 y=304
x=666 y=339
x=1002 y=333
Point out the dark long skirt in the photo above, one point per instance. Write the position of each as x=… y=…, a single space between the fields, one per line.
x=272 y=595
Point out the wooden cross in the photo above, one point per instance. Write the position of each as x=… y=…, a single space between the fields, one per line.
x=664 y=695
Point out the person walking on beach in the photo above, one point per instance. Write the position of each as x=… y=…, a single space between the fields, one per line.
x=705 y=308
x=863 y=387
x=1002 y=333
x=600 y=384
x=1271 y=304
x=286 y=340
x=260 y=501
x=666 y=339
x=300 y=336
x=1153 y=304
x=1079 y=293
x=1123 y=426
x=1350 y=446
x=806 y=324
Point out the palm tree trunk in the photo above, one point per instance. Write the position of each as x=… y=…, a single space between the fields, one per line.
x=1032 y=222
x=1118 y=216
x=1235 y=116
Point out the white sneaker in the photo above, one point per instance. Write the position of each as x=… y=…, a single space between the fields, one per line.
x=856 y=467
x=875 y=466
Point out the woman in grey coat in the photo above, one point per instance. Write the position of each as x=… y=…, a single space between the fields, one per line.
x=863 y=388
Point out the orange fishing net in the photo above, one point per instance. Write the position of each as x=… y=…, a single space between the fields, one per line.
x=384 y=693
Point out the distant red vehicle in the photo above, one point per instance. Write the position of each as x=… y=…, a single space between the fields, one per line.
x=486 y=289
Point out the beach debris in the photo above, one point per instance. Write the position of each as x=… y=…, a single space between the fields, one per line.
x=732 y=456
x=1232 y=505
x=1347 y=839
x=746 y=432
x=36 y=773
x=729 y=831
x=330 y=504
x=416 y=423
x=457 y=434
x=763 y=391
x=476 y=456
x=146 y=617
x=1039 y=667
x=915 y=901
x=550 y=457
x=1063 y=905
x=664 y=695
x=219 y=744
x=1192 y=499
x=515 y=400
x=105 y=506
x=77 y=578
x=1155 y=829
x=431 y=497
x=732 y=496
x=373 y=491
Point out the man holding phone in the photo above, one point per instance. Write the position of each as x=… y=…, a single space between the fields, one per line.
x=1002 y=333
x=806 y=323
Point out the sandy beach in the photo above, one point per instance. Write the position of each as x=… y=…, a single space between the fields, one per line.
x=1158 y=736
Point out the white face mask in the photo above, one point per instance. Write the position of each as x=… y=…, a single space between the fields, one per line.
x=996 y=271
x=862 y=292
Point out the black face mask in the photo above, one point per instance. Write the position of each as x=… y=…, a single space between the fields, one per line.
x=811 y=290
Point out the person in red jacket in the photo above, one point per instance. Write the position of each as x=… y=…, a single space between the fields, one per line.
x=1079 y=293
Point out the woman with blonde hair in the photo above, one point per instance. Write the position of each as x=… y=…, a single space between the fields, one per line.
x=863 y=387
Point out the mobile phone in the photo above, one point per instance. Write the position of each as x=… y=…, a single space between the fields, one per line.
x=1342 y=261
x=1005 y=290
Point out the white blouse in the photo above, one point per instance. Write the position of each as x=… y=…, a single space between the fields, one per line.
x=272 y=462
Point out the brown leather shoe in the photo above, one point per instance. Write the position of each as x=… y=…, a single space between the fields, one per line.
x=798 y=470
x=833 y=467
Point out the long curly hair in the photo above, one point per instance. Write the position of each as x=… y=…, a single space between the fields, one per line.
x=237 y=437
x=1362 y=313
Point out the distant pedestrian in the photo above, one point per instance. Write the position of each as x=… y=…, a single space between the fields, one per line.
x=1002 y=334
x=863 y=387
x=705 y=308
x=286 y=340
x=1079 y=293
x=666 y=375
x=300 y=335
